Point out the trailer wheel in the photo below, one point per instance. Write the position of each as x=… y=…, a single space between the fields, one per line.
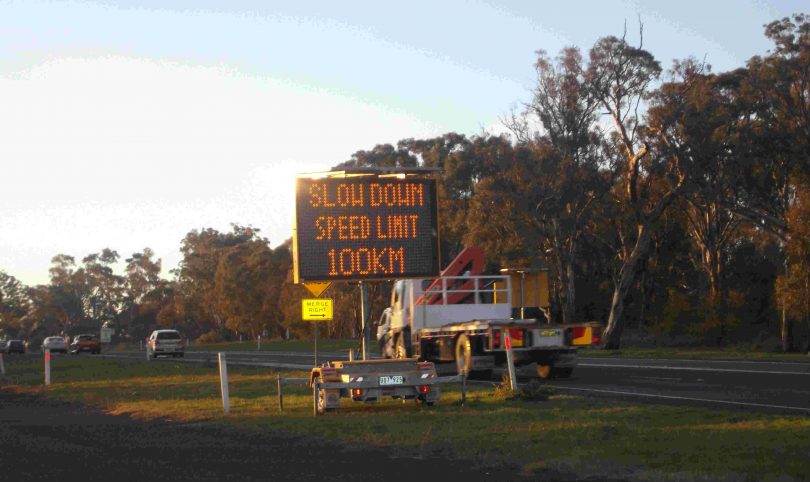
x=320 y=402
x=463 y=355
x=544 y=370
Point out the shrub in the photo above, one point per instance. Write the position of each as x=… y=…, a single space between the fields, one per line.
x=534 y=391
x=212 y=336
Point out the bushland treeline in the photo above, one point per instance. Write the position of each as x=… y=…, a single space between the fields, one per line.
x=672 y=202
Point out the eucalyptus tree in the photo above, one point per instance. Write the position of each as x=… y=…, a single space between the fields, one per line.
x=695 y=118
x=143 y=294
x=560 y=179
x=15 y=303
x=247 y=285
x=103 y=289
x=777 y=87
x=645 y=181
x=63 y=300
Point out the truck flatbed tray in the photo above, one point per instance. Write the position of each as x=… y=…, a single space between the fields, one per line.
x=508 y=322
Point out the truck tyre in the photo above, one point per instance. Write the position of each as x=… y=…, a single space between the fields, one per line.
x=544 y=370
x=463 y=355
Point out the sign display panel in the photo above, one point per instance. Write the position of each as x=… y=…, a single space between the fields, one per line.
x=366 y=227
x=318 y=309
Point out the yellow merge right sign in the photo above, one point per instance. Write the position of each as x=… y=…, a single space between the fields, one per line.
x=318 y=309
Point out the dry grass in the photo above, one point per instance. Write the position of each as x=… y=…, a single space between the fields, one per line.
x=564 y=433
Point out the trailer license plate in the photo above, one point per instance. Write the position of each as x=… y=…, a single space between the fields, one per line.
x=392 y=380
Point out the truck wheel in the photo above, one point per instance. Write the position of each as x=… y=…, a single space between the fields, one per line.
x=400 y=351
x=544 y=370
x=463 y=355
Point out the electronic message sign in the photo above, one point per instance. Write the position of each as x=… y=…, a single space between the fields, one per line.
x=365 y=227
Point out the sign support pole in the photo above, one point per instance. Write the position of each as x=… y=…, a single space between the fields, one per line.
x=363 y=322
x=316 y=343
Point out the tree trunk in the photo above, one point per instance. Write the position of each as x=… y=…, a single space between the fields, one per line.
x=784 y=331
x=785 y=326
x=627 y=274
x=571 y=302
x=565 y=275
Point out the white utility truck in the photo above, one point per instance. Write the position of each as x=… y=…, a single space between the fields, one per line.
x=465 y=319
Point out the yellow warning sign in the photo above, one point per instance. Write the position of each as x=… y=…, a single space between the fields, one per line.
x=316 y=309
x=317 y=287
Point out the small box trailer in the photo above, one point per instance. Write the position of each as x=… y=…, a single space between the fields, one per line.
x=372 y=380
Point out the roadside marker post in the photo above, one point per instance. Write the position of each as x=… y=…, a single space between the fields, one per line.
x=510 y=361
x=280 y=395
x=47 y=367
x=2 y=366
x=223 y=382
x=259 y=343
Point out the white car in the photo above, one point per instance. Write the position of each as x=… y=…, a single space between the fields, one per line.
x=56 y=344
x=165 y=342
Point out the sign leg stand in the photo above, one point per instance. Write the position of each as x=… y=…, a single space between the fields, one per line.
x=364 y=321
x=316 y=343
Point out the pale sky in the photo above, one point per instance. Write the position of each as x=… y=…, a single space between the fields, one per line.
x=126 y=124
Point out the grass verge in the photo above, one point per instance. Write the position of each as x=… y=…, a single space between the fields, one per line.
x=580 y=436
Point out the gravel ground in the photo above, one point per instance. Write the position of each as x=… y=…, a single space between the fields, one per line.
x=43 y=439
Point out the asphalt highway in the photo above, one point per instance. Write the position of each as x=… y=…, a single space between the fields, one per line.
x=763 y=386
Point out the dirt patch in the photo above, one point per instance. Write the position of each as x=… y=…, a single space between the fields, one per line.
x=44 y=439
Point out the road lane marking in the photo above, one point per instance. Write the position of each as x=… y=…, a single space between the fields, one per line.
x=692 y=369
x=674 y=397
x=657 y=378
x=701 y=360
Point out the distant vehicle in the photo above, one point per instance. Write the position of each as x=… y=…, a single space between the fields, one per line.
x=14 y=346
x=82 y=343
x=56 y=344
x=165 y=342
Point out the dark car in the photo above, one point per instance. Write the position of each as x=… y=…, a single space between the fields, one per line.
x=15 y=346
x=82 y=343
